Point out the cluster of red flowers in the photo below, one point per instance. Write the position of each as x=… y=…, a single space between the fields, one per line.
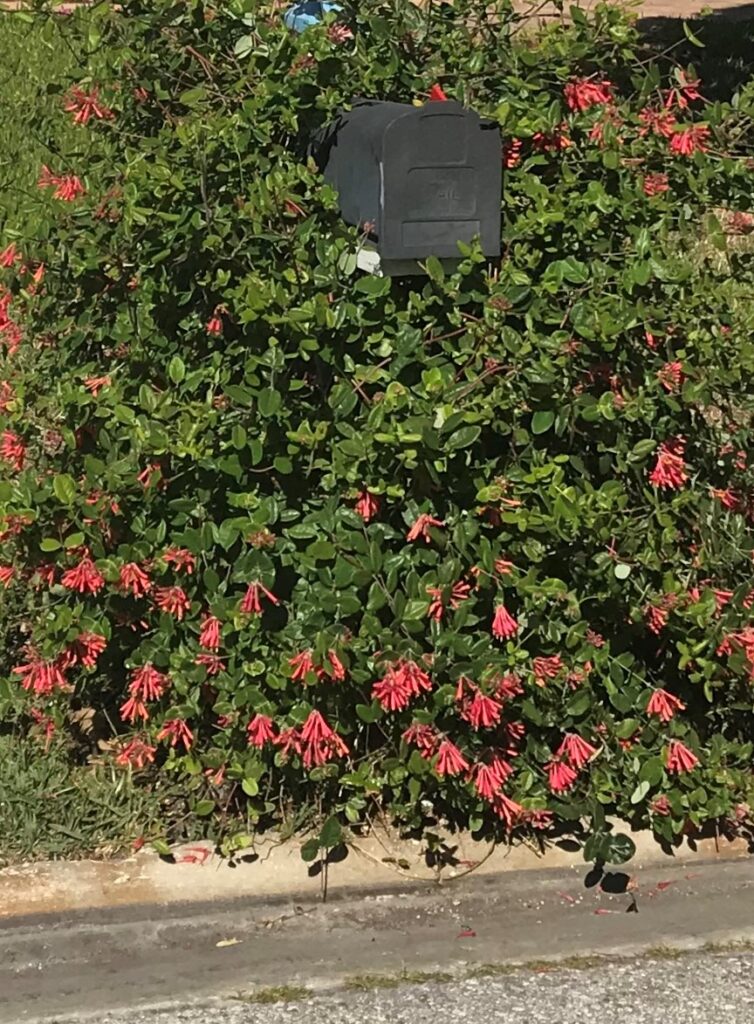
x=67 y=186
x=84 y=578
x=441 y=597
x=570 y=757
x=173 y=601
x=86 y=105
x=303 y=666
x=251 y=603
x=670 y=468
x=475 y=707
x=41 y=677
x=401 y=682
x=316 y=742
x=13 y=450
x=583 y=93
x=421 y=527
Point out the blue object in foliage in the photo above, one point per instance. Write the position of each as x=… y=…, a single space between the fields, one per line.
x=306 y=13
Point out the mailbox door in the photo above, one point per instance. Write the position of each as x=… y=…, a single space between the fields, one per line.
x=441 y=180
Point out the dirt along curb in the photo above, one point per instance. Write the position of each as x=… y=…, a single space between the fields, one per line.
x=273 y=870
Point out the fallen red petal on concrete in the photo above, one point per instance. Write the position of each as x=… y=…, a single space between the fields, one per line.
x=466 y=933
x=567 y=897
x=194 y=855
x=604 y=910
x=664 y=885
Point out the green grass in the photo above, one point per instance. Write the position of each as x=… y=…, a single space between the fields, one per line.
x=277 y=994
x=51 y=808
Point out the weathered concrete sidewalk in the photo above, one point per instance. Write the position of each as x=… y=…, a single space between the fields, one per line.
x=57 y=966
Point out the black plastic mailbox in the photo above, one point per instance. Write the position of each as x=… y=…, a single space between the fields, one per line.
x=418 y=179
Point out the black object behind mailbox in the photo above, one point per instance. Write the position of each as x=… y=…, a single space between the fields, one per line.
x=422 y=178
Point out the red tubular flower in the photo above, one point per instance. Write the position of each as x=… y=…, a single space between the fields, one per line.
x=367 y=506
x=539 y=818
x=415 y=679
x=338 y=670
x=583 y=93
x=13 y=450
x=84 y=578
x=302 y=665
x=482 y=712
x=87 y=647
x=146 y=475
x=423 y=737
x=44 y=574
x=560 y=776
x=133 y=709
x=135 y=754
x=7 y=575
x=659 y=122
x=69 y=188
x=209 y=636
x=670 y=469
x=215 y=325
x=486 y=781
x=504 y=626
x=289 y=742
x=177 y=731
x=680 y=758
x=213 y=663
x=436 y=607
x=172 y=600
x=45 y=723
x=95 y=384
x=727 y=498
x=7 y=396
x=450 y=760
x=86 y=105
x=181 y=559
x=664 y=705
x=576 y=750
x=508 y=687
x=661 y=806
x=687 y=141
x=671 y=376
x=10 y=255
x=251 y=603
x=41 y=677
x=421 y=528
x=437 y=94
x=133 y=578
x=546 y=668
x=500 y=767
x=549 y=142
x=655 y=184
x=260 y=731
x=507 y=809
x=147 y=683
x=656 y=617
x=320 y=743
x=512 y=153
x=392 y=691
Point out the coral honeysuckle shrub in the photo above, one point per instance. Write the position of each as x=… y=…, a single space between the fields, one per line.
x=473 y=547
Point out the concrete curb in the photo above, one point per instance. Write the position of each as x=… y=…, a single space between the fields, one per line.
x=272 y=871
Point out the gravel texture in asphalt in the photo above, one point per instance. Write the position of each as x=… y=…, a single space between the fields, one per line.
x=692 y=989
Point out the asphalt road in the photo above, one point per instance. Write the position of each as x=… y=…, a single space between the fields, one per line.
x=658 y=936
x=690 y=989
